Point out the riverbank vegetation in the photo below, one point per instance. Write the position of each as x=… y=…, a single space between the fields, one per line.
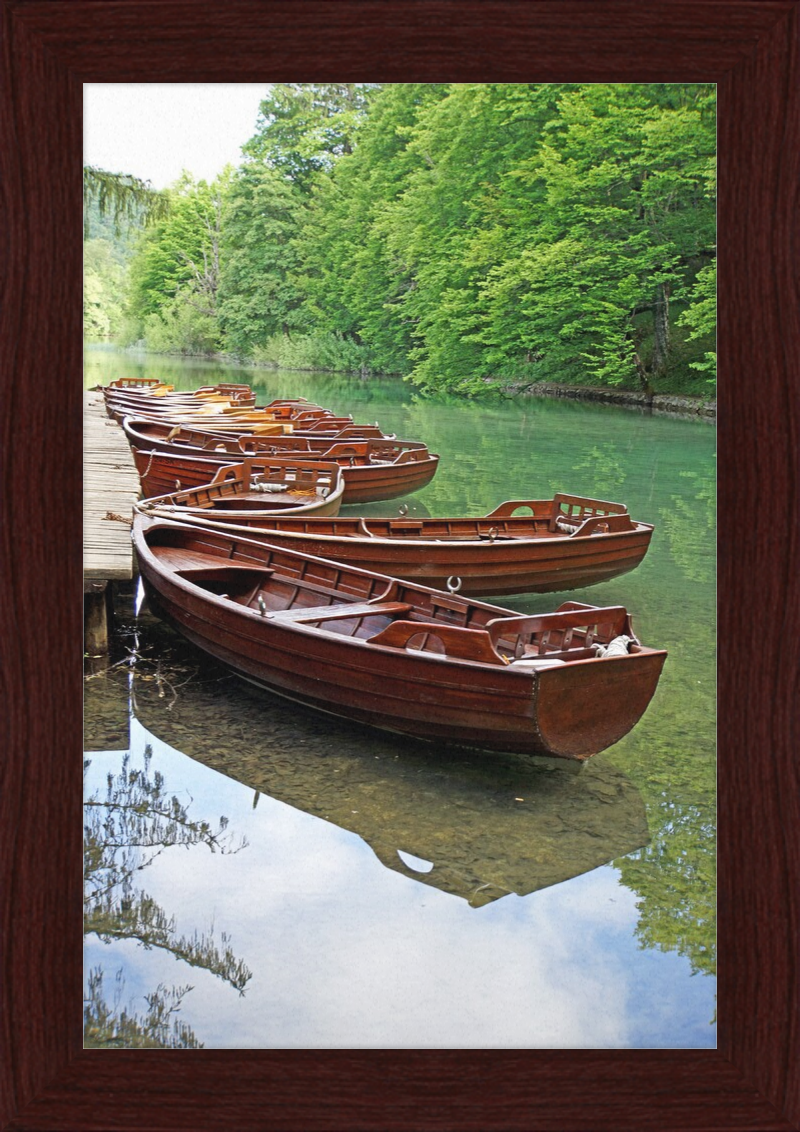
x=461 y=235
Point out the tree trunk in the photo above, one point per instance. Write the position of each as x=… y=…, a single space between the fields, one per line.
x=641 y=368
x=661 y=330
x=644 y=377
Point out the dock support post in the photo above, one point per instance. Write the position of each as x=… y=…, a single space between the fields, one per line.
x=97 y=617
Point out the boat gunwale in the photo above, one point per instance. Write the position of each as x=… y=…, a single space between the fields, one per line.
x=545 y=537
x=179 y=577
x=370 y=444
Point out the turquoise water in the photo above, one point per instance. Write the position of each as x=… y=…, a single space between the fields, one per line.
x=391 y=894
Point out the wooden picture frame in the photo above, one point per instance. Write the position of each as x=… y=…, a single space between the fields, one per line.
x=750 y=49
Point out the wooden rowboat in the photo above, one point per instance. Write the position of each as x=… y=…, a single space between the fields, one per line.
x=373 y=469
x=261 y=489
x=162 y=400
x=202 y=427
x=522 y=546
x=225 y=409
x=399 y=656
x=156 y=385
x=223 y=412
x=271 y=420
x=205 y=437
x=159 y=397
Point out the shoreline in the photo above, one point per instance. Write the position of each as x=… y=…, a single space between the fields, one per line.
x=668 y=403
x=671 y=404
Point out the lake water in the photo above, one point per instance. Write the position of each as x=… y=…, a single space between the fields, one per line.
x=373 y=892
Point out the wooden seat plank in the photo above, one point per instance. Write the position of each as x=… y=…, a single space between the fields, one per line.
x=340 y=610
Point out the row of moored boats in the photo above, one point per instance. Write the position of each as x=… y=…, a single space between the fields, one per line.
x=242 y=548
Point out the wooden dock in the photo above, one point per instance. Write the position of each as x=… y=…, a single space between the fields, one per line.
x=110 y=487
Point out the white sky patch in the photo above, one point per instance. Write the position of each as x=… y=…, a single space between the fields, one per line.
x=156 y=130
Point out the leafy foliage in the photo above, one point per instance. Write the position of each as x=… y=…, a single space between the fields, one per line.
x=460 y=234
x=127 y=199
x=175 y=274
x=304 y=127
x=620 y=182
x=701 y=317
x=356 y=283
x=257 y=295
x=103 y=289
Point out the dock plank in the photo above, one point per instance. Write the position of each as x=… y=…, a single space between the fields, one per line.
x=110 y=488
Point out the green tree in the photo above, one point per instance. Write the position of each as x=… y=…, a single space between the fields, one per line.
x=303 y=128
x=354 y=284
x=127 y=199
x=302 y=131
x=701 y=317
x=622 y=219
x=116 y=207
x=258 y=297
x=103 y=289
x=440 y=226
x=460 y=234
x=175 y=273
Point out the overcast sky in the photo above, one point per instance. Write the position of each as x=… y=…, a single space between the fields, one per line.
x=156 y=130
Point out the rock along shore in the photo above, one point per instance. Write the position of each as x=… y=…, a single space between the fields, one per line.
x=658 y=403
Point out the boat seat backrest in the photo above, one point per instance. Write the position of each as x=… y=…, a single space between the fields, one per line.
x=570 y=512
x=431 y=636
x=410 y=456
x=347 y=450
x=547 y=632
x=510 y=507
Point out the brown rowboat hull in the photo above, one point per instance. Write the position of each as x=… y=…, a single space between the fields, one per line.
x=571 y=711
x=363 y=483
x=522 y=546
x=483 y=568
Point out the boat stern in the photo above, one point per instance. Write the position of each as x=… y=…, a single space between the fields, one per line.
x=584 y=707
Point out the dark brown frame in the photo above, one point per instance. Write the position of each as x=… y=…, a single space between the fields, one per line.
x=748 y=47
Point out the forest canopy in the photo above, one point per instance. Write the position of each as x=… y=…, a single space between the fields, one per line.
x=458 y=234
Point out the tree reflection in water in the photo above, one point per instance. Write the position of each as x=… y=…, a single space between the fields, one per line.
x=689 y=524
x=124 y=832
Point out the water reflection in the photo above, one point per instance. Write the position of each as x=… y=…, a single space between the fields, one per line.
x=127 y=827
x=689 y=523
x=476 y=827
x=411 y=505
x=675 y=880
x=347 y=952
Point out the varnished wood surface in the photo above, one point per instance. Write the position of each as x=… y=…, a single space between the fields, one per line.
x=49 y=48
x=278 y=629
x=492 y=556
x=110 y=488
x=368 y=479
